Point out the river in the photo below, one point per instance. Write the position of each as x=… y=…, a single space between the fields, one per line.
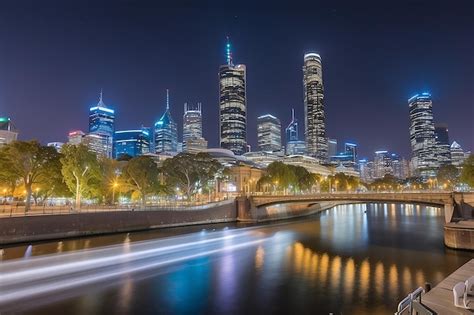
x=352 y=259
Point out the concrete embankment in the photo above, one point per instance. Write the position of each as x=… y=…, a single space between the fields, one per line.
x=459 y=235
x=47 y=227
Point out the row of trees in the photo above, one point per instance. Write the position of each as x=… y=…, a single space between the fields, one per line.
x=77 y=172
x=297 y=179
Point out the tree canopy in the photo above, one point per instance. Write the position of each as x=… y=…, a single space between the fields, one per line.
x=467 y=174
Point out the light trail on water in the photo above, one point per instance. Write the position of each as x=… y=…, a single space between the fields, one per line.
x=33 y=277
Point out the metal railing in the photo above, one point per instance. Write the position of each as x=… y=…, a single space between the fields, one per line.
x=16 y=210
x=412 y=305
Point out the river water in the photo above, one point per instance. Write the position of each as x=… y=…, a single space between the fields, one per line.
x=352 y=259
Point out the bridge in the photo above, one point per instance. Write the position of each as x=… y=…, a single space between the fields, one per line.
x=456 y=206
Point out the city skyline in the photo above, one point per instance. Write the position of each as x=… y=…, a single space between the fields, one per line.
x=359 y=121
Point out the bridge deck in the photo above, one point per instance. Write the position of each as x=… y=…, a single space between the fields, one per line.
x=440 y=298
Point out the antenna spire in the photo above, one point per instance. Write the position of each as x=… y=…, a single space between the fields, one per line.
x=228 y=52
x=167 y=99
x=100 y=96
x=292 y=114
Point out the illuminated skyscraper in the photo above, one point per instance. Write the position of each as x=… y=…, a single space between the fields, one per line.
x=269 y=133
x=232 y=106
x=292 y=130
x=332 y=147
x=192 y=129
x=294 y=146
x=166 y=131
x=131 y=142
x=422 y=134
x=315 y=120
x=443 y=153
x=351 y=150
x=102 y=125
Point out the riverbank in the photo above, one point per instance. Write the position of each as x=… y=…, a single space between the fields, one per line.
x=49 y=227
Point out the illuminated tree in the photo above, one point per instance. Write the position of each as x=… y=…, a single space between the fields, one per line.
x=141 y=176
x=467 y=174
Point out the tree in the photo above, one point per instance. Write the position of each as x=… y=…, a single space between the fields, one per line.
x=81 y=171
x=141 y=175
x=447 y=175
x=110 y=182
x=30 y=163
x=467 y=174
x=190 y=172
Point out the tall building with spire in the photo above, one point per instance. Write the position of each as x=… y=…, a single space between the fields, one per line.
x=422 y=135
x=232 y=105
x=101 y=128
x=293 y=143
x=166 y=131
x=315 y=119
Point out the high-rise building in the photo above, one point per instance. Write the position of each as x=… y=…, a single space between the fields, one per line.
x=351 y=149
x=232 y=106
x=382 y=164
x=102 y=124
x=294 y=146
x=56 y=145
x=166 y=132
x=365 y=170
x=315 y=120
x=99 y=144
x=422 y=134
x=268 y=133
x=332 y=147
x=458 y=156
x=133 y=142
x=8 y=132
x=442 y=153
x=192 y=129
x=75 y=137
x=291 y=132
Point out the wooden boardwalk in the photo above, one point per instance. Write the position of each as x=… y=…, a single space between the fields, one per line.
x=440 y=298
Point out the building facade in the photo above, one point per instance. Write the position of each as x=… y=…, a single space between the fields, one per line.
x=102 y=124
x=315 y=119
x=332 y=147
x=232 y=106
x=75 y=137
x=166 y=132
x=422 y=135
x=458 y=156
x=134 y=142
x=8 y=132
x=443 y=152
x=193 y=140
x=268 y=133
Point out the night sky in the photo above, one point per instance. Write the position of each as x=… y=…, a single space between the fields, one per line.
x=55 y=56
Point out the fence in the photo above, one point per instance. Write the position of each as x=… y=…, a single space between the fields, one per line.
x=16 y=210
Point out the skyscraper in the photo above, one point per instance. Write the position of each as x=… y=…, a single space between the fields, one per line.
x=166 y=131
x=315 y=121
x=458 y=156
x=192 y=129
x=443 y=154
x=102 y=125
x=232 y=105
x=332 y=147
x=291 y=131
x=351 y=149
x=294 y=146
x=422 y=134
x=133 y=142
x=269 y=133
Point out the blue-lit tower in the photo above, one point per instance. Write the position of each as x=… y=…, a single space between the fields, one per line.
x=102 y=127
x=166 y=131
x=133 y=142
x=292 y=129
